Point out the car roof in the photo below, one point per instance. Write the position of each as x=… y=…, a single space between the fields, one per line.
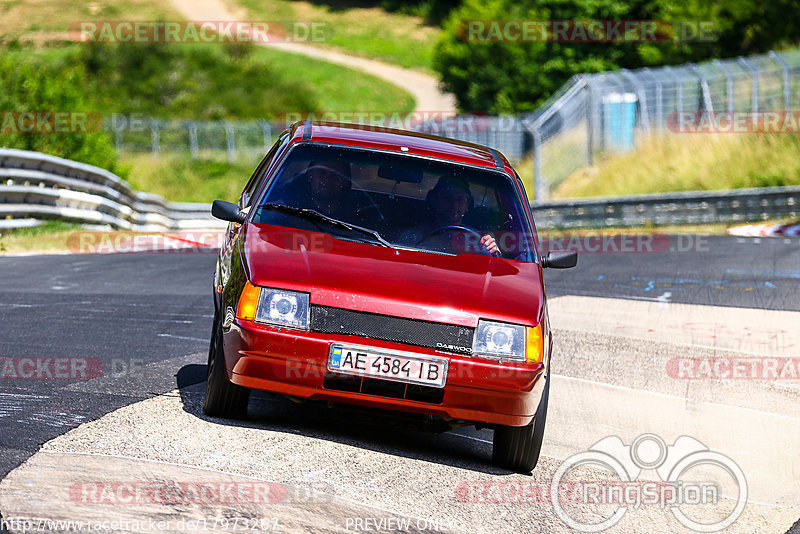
x=401 y=141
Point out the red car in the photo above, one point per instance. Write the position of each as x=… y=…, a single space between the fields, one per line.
x=391 y=270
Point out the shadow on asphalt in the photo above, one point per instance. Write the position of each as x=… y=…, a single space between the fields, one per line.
x=191 y=374
x=371 y=429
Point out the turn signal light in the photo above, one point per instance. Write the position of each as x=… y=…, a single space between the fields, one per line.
x=248 y=302
x=534 y=348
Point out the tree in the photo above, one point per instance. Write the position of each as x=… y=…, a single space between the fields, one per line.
x=35 y=96
x=495 y=73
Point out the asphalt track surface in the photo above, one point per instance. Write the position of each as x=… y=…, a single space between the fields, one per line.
x=153 y=311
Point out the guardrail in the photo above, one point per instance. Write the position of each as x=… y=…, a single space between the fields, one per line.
x=690 y=207
x=39 y=186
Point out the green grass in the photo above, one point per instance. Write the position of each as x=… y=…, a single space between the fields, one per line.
x=45 y=21
x=50 y=236
x=373 y=32
x=181 y=179
x=197 y=82
x=691 y=162
x=205 y=82
x=337 y=88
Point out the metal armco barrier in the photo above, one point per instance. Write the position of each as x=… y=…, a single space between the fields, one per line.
x=692 y=207
x=39 y=186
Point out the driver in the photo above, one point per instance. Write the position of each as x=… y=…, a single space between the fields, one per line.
x=329 y=188
x=449 y=200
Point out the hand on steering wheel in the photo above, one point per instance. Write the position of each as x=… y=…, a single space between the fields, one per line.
x=489 y=246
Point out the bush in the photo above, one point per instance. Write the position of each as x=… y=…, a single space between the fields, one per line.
x=433 y=11
x=34 y=86
x=511 y=77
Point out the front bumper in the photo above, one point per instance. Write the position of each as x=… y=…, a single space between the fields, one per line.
x=294 y=362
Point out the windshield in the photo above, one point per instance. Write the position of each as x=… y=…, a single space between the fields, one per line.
x=399 y=201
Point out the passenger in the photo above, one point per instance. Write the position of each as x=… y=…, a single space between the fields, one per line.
x=449 y=200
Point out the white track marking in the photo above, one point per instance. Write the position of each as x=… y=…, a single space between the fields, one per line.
x=746 y=330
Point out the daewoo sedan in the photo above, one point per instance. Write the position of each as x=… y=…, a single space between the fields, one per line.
x=390 y=270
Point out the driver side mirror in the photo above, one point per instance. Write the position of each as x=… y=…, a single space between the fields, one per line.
x=562 y=259
x=228 y=211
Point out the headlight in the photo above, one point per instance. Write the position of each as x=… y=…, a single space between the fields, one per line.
x=274 y=306
x=509 y=342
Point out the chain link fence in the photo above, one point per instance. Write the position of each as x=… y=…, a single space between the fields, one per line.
x=249 y=140
x=589 y=116
x=231 y=140
x=608 y=112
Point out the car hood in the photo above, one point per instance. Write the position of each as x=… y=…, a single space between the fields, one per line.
x=419 y=285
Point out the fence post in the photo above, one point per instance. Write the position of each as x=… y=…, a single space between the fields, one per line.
x=155 y=139
x=194 y=148
x=659 y=104
x=540 y=185
x=267 y=130
x=640 y=95
x=118 y=127
x=704 y=87
x=659 y=98
x=754 y=73
x=729 y=83
x=231 y=142
x=591 y=119
x=787 y=92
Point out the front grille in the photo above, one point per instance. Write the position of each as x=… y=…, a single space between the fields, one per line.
x=383 y=388
x=438 y=336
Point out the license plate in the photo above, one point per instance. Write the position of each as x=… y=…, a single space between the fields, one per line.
x=395 y=366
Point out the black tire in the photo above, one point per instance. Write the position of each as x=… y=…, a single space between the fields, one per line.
x=517 y=448
x=223 y=398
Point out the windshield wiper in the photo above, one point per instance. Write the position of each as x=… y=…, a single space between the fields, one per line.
x=315 y=216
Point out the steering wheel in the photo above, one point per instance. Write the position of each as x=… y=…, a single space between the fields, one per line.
x=369 y=207
x=456 y=227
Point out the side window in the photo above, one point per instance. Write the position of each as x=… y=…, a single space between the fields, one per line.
x=261 y=172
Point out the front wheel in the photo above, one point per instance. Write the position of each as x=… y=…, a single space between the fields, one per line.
x=223 y=398
x=517 y=448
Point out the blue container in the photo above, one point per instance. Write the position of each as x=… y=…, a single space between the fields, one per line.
x=619 y=119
